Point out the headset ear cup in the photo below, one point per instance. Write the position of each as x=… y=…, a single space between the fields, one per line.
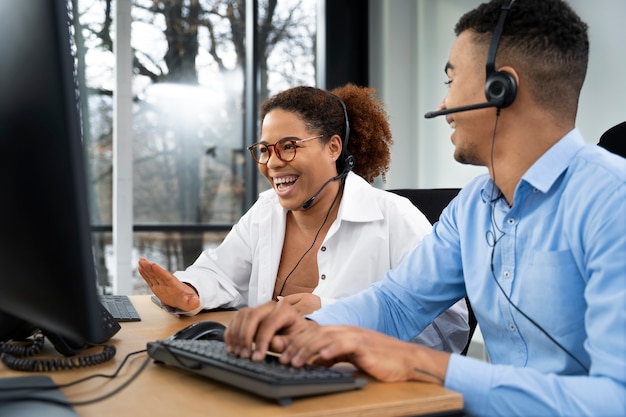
x=346 y=166
x=501 y=87
x=350 y=161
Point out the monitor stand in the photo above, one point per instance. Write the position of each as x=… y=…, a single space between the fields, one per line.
x=9 y=406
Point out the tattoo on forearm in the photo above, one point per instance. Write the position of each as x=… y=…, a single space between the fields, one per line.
x=426 y=373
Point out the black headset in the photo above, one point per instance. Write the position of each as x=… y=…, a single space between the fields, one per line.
x=500 y=86
x=344 y=165
x=348 y=160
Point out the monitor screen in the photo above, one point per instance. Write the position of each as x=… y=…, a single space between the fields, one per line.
x=47 y=275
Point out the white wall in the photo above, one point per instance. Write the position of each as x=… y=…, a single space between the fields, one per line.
x=410 y=41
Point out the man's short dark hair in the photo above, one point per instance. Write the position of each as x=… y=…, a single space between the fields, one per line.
x=545 y=41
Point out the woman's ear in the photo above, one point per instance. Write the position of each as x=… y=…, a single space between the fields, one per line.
x=334 y=147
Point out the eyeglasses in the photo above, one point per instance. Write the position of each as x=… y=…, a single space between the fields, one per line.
x=285 y=149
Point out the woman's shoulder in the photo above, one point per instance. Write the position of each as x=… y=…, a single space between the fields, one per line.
x=266 y=204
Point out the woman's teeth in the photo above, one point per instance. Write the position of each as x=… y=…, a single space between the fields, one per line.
x=284 y=182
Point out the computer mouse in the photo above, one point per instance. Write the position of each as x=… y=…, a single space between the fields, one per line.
x=202 y=330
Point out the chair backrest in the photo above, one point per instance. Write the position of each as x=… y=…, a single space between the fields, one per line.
x=431 y=202
x=614 y=139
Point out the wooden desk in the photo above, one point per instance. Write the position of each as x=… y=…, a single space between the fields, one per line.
x=162 y=390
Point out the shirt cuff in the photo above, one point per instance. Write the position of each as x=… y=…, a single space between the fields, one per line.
x=177 y=312
x=326 y=301
x=470 y=377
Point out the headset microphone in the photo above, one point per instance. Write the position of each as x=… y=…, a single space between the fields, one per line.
x=311 y=200
x=431 y=114
x=349 y=164
x=500 y=86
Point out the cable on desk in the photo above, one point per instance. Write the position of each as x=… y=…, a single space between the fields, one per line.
x=19 y=355
x=85 y=402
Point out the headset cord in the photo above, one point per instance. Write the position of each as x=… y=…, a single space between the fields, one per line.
x=65 y=403
x=282 y=288
x=534 y=323
x=493 y=238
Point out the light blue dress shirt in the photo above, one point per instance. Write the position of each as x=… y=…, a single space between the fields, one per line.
x=559 y=260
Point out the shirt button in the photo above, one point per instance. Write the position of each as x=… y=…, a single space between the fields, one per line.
x=507 y=274
x=323 y=276
x=511 y=221
x=323 y=248
x=512 y=327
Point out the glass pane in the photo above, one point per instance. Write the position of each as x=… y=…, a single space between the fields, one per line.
x=188 y=123
x=161 y=247
x=95 y=70
x=291 y=46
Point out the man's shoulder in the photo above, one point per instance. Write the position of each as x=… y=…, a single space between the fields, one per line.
x=595 y=161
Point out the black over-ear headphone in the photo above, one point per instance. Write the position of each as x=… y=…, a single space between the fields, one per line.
x=348 y=160
x=500 y=86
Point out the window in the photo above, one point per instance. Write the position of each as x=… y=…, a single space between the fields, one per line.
x=188 y=115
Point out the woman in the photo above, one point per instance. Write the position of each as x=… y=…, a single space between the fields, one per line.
x=322 y=232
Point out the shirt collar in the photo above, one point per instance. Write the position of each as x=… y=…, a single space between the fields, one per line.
x=358 y=204
x=547 y=169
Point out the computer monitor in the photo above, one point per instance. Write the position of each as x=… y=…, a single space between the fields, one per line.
x=47 y=274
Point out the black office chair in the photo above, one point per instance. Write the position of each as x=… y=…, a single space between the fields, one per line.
x=431 y=202
x=614 y=139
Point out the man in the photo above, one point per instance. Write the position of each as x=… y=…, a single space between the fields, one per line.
x=538 y=245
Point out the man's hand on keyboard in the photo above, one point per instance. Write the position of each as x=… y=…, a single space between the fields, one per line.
x=170 y=290
x=253 y=330
x=383 y=357
x=279 y=325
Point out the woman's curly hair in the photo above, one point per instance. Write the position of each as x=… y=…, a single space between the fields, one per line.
x=369 y=139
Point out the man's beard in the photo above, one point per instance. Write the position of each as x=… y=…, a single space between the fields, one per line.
x=467 y=155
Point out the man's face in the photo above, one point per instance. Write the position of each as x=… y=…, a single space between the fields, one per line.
x=466 y=85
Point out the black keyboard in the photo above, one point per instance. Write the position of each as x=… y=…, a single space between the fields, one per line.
x=268 y=378
x=120 y=307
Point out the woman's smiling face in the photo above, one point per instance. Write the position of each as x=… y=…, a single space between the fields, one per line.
x=298 y=180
